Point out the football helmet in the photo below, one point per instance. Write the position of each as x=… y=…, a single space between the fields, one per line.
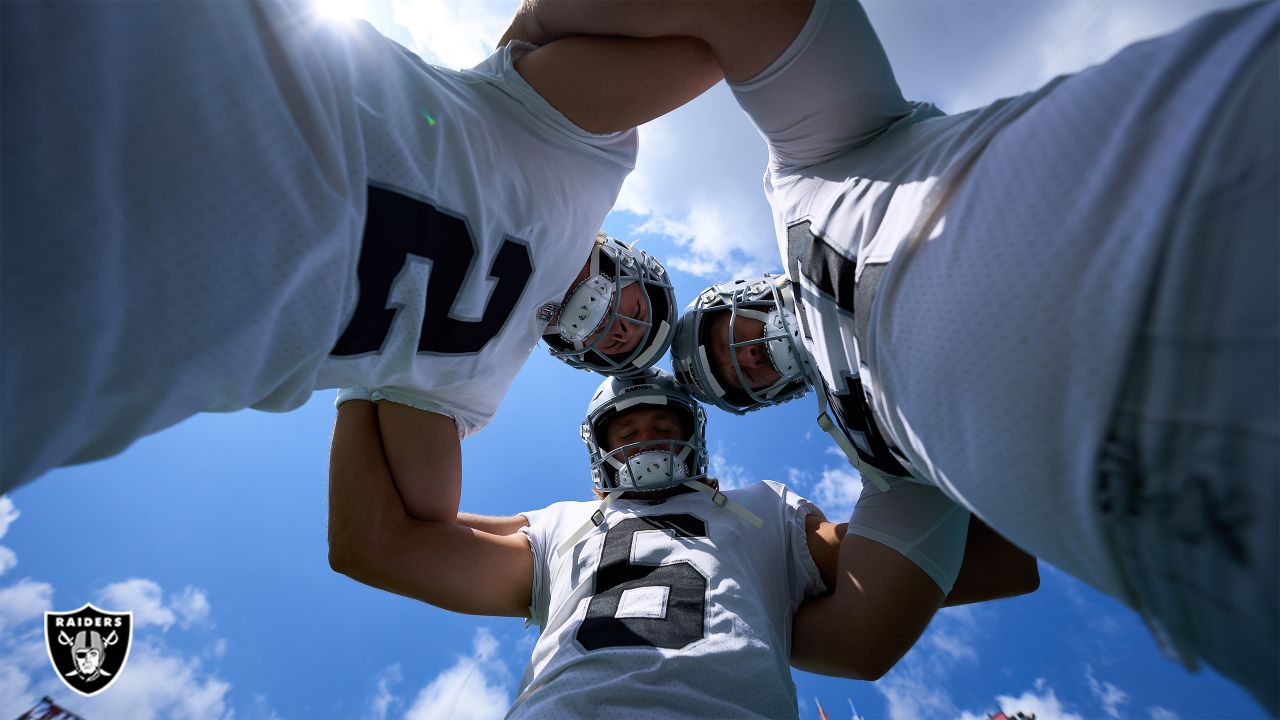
x=653 y=464
x=769 y=299
x=649 y=465
x=591 y=307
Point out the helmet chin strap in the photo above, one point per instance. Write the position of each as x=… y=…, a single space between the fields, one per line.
x=595 y=521
x=722 y=500
x=717 y=497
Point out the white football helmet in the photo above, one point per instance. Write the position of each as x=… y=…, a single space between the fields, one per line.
x=652 y=465
x=591 y=307
x=769 y=299
x=656 y=464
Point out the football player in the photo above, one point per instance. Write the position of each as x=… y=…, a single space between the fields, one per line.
x=639 y=596
x=1063 y=309
x=213 y=206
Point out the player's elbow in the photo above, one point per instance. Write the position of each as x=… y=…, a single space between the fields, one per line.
x=344 y=556
x=870 y=668
x=352 y=551
x=850 y=666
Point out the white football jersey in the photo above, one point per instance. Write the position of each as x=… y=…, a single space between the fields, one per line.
x=1003 y=256
x=674 y=608
x=212 y=206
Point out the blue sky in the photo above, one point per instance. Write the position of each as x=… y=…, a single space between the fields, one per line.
x=213 y=532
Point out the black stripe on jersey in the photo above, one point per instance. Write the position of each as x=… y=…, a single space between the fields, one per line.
x=831 y=272
x=833 y=275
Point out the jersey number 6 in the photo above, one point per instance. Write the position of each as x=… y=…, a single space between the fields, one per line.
x=685 y=585
x=397 y=226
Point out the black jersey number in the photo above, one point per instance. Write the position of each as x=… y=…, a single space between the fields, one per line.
x=686 y=596
x=398 y=226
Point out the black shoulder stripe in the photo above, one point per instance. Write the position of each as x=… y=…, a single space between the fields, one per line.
x=831 y=272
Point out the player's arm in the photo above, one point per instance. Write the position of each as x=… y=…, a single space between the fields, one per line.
x=880 y=604
x=494 y=525
x=609 y=84
x=900 y=555
x=424 y=457
x=993 y=568
x=743 y=36
x=374 y=540
x=824 y=539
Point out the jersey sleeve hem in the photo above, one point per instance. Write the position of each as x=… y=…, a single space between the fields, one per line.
x=467 y=424
x=538 y=604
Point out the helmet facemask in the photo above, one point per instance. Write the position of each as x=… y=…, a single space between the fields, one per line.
x=592 y=307
x=764 y=299
x=648 y=465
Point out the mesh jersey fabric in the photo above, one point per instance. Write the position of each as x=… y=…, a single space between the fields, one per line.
x=999 y=333
x=674 y=608
x=186 y=190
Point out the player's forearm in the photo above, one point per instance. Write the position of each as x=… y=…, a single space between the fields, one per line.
x=504 y=525
x=374 y=541
x=881 y=604
x=993 y=568
x=745 y=35
x=816 y=649
x=452 y=567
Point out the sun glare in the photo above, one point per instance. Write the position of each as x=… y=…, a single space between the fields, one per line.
x=337 y=9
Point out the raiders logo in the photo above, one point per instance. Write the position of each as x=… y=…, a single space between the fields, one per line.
x=88 y=647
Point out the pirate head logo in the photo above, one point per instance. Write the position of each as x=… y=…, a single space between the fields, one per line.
x=88 y=647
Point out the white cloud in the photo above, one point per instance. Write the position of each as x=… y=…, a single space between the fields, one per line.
x=1108 y=695
x=141 y=596
x=155 y=683
x=730 y=475
x=1156 y=712
x=474 y=688
x=8 y=513
x=453 y=34
x=383 y=698
x=1040 y=701
x=146 y=600
x=158 y=684
x=15 y=690
x=191 y=606
x=25 y=600
x=698 y=183
x=838 y=491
